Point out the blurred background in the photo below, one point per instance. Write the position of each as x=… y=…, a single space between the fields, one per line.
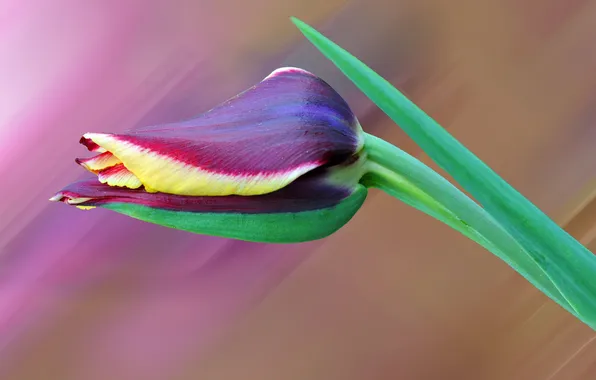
x=393 y=295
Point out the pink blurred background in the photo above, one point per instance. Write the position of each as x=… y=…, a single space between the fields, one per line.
x=394 y=294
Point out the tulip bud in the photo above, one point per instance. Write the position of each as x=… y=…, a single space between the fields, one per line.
x=280 y=162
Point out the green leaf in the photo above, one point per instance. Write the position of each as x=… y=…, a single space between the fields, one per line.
x=569 y=265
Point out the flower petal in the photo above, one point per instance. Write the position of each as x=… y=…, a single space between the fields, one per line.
x=310 y=192
x=99 y=162
x=119 y=176
x=255 y=143
x=91 y=146
x=308 y=209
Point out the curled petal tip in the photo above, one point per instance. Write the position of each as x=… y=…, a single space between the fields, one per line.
x=98 y=163
x=91 y=145
x=83 y=162
x=70 y=198
x=56 y=198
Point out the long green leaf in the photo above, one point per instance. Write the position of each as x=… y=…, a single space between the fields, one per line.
x=568 y=264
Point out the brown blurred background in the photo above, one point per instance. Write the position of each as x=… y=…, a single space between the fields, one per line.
x=394 y=294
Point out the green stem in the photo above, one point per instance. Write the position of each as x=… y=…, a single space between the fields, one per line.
x=406 y=178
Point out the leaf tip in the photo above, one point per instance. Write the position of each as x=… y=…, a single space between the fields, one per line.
x=299 y=23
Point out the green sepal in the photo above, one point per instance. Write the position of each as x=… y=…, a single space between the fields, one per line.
x=264 y=228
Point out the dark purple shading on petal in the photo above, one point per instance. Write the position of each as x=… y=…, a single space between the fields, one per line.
x=290 y=118
x=305 y=194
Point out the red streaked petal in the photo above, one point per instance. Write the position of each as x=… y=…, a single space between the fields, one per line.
x=255 y=143
x=162 y=173
x=99 y=162
x=119 y=176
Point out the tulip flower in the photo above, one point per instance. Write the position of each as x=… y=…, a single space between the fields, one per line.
x=287 y=161
x=284 y=161
x=280 y=162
